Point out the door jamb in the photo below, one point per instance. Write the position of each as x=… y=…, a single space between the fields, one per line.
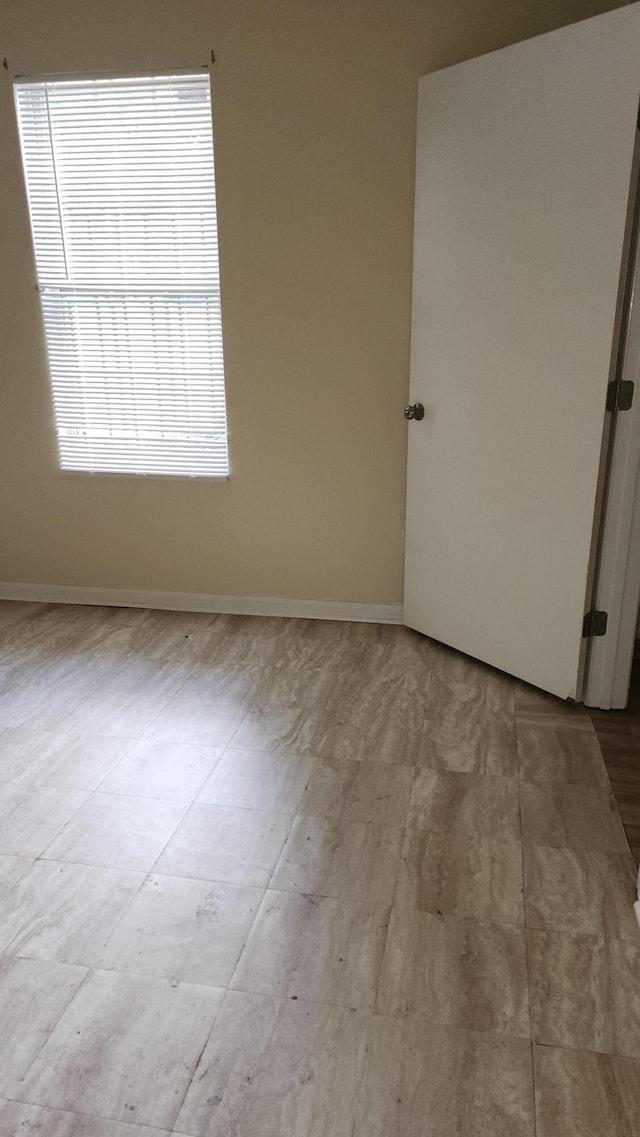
x=617 y=584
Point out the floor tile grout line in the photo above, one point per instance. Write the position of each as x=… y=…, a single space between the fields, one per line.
x=525 y=925
x=199 y=1059
x=252 y=702
x=453 y=916
x=92 y=865
x=87 y=973
x=126 y=751
x=131 y=974
x=150 y=723
x=64 y=825
x=378 y=766
x=347 y=900
x=132 y=1125
x=370 y=1011
x=73 y=731
x=568 y=933
x=134 y=895
x=383 y=953
x=635 y=1059
x=534 y=1104
x=391 y=906
x=175 y=800
x=259 y=907
x=172 y=834
x=34 y=860
x=367 y=1011
x=263 y=899
x=363 y=1073
x=160 y=797
x=62 y=829
x=107 y=868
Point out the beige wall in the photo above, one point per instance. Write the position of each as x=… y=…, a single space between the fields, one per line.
x=314 y=105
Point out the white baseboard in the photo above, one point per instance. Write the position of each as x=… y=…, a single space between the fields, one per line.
x=204 y=602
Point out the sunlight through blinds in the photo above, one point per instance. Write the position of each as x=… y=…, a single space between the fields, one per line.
x=120 y=182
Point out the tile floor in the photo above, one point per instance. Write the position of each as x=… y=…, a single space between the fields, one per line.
x=279 y=878
x=619 y=738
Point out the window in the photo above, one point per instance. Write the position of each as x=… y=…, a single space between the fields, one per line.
x=120 y=181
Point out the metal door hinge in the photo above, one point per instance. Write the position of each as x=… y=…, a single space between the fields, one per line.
x=620 y=395
x=595 y=623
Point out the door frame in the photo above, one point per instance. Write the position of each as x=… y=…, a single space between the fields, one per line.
x=617 y=575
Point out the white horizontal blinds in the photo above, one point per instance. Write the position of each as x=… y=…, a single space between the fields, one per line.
x=120 y=180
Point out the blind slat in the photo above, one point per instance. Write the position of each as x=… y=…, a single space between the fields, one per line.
x=121 y=187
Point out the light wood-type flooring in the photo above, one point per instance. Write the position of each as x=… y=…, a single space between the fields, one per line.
x=285 y=878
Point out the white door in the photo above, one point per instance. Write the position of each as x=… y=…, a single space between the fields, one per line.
x=524 y=162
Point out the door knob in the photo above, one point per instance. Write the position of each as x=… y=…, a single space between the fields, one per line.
x=414 y=410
